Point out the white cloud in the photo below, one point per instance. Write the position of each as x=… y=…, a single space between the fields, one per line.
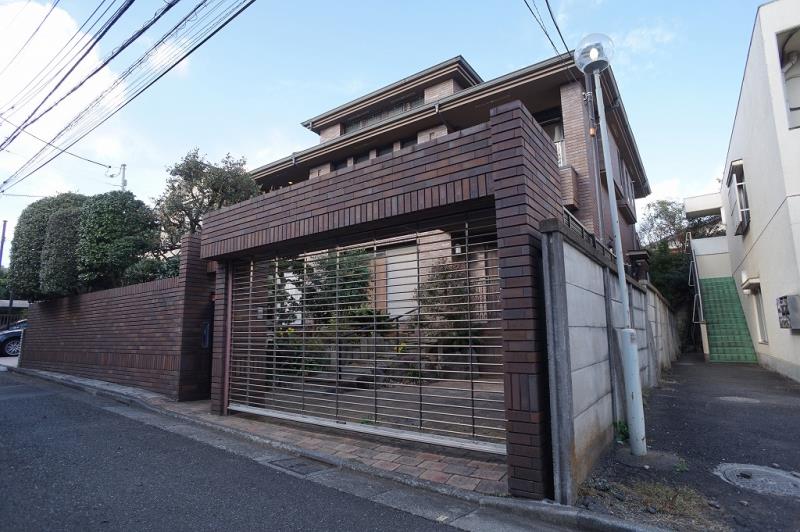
x=565 y=9
x=169 y=51
x=680 y=187
x=645 y=39
x=274 y=144
x=64 y=174
x=637 y=48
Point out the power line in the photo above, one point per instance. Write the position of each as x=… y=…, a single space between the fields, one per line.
x=174 y=54
x=555 y=23
x=207 y=33
x=52 y=7
x=16 y=15
x=541 y=25
x=30 y=88
x=94 y=105
x=56 y=147
x=103 y=31
x=130 y=40
x=540 y=21
x=20 y=195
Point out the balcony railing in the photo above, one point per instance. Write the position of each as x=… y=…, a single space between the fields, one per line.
x=584 y=234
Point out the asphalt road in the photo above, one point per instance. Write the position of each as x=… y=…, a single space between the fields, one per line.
x=69 y=461
x=711 y=413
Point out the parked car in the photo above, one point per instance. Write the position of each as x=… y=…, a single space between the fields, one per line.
x=11 y=339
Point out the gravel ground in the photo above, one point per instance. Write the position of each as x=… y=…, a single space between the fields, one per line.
x=704 y=415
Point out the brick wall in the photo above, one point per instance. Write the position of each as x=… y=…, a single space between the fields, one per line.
x=330 y=132
x=427 y=135
x=146 y=335
x=577 y=140
x=448 y=170
x=526 y=191
x=508 y=162
x=440 y=90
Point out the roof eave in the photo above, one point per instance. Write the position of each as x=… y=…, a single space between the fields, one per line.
x=458 y=61
x=466 y=94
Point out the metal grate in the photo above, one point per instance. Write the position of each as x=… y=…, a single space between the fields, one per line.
x=397 y=333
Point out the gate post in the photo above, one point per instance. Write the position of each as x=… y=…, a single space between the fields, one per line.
x=524 y=171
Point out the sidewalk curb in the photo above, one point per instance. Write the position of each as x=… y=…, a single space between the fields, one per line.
x=550 y=512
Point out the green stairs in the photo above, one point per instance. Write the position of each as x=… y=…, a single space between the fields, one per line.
x=728 y=336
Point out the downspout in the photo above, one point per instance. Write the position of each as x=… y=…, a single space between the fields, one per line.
x=594 y=156
x=441 y=118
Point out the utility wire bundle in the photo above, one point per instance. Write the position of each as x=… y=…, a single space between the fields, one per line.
x=42 y=95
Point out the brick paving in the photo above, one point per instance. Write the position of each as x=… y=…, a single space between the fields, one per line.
x=457 y=468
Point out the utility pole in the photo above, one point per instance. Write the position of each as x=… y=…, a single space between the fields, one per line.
x=2 y=242
x=122 y=174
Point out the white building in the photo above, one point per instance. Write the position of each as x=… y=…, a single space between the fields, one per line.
x=760 y=195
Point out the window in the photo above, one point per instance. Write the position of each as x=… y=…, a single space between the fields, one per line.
x=384 y=150
x=789 y=56
x=396 y=107
x=338 y=165
x=410 y=141
x=761 y=320
x=555 y=129
x=738 y=204
x=361 y=158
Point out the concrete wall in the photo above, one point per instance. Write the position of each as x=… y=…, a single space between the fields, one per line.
x=590 y=365
x=584 y=311
x=712 y=257
x=770 y=152
x=147 y=335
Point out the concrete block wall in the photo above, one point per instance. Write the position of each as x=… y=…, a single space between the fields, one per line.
x=592 y=400
x=583 y=313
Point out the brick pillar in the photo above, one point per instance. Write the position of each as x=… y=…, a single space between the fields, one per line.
x=579 y=156
x=196 y=286
x=524 y=170
x=220 y=342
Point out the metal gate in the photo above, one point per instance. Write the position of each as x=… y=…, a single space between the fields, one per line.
x=396 y=335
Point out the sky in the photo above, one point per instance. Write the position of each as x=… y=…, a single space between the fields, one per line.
x=679 y=66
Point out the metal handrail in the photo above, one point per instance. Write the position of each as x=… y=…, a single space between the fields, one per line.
x=694 y=281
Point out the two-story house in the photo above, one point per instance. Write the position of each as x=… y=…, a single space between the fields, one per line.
x=388 y=279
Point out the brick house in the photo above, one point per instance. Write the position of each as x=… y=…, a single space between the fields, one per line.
x=388 y=281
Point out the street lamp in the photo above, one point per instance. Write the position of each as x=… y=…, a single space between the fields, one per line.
x=592 y=56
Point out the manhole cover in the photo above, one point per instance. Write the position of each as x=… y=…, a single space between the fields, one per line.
x=737 y=399
x=762 y=479
x=301 y=466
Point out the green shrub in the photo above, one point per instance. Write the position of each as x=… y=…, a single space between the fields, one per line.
x=24 y=274
x=59 y=271
x=116 y=230
x=151 y=269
